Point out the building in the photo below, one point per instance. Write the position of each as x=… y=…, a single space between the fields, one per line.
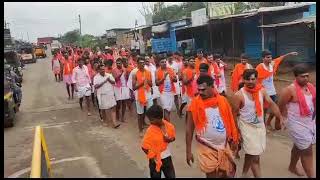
x=259 y=29
x=45 y=40
x=164 y=37
x=111 y=35
x=295 y=32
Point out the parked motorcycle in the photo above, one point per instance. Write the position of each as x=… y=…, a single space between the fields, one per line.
x=15 y=84
x=12 y=96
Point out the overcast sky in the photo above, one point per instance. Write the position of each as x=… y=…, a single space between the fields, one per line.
x=42 y=19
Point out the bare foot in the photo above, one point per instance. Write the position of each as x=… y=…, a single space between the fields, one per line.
x=296 y=171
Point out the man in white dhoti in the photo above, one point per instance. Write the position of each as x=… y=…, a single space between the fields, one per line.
x=248 y=102
x=103 y=84
x=165 y=79
x=298 y=104
x=81 y=79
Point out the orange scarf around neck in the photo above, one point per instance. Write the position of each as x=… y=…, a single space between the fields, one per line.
x=255 y=94
x=153 y=141
x=216 y=71
x=160 y=75
x=303 y=106
x=236 y=76
x=198 y=62
x=198 y=106
x=141 y=77
x=263 y=73
x=189 y=88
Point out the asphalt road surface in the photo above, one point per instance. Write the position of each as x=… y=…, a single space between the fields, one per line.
x=79 y=146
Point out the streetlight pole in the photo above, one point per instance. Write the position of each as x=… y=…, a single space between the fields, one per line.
x=80 y=29
x=80 y=23
x=28 y=37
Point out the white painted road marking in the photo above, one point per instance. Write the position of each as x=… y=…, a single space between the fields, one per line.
x=23 y=171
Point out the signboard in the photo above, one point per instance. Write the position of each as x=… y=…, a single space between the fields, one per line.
x=217 y=9
x=160 y=28
x=161 y=45
x=199 y=17
x=188 y=49
x=179 y=23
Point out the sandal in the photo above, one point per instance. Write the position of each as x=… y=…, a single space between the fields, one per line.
x=116 y=126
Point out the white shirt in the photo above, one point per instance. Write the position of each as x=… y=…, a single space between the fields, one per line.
x=129 y=82
x=268 y=82
x=106 y=88
x=222 y=86
x=167 y=84
x=174 y=66
x=248 y=111
x=152 y=68
x=166 y=153
x=215 y=134
x=56 y=63
x=80 y=76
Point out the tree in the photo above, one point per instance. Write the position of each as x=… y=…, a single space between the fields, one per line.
x=257 y=5
x=88 y=40
x=174 y=12
x=71 y=37
x=240 y=7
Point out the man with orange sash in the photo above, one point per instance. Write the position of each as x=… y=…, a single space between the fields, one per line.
x=189 y=81
x=210 y=115
x=236 y=77
x=165 y=79
x=199 y=59
x=128 y=68
x=220 y=67
x=155 y=143
x=174 y=66
x=297 y=103
x=248 y=103
x=141 y=84
x=266 y=70
x=152 y=68
x=122 y=92
x=68 y=65
x=183 y=88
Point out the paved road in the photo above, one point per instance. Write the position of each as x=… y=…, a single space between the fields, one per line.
x=80 y=147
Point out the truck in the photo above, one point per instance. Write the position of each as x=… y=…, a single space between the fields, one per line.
x=55 y=45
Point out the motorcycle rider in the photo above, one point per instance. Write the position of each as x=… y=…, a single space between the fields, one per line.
x=16 y=86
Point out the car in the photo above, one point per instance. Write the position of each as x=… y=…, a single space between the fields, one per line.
x=27 y=54
x=40 y=52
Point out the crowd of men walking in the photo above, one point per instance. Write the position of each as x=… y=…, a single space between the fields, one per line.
x=113 y=79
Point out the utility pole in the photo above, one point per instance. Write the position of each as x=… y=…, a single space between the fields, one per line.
x=28 y=37
x=80 y=29
x=80 y=23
